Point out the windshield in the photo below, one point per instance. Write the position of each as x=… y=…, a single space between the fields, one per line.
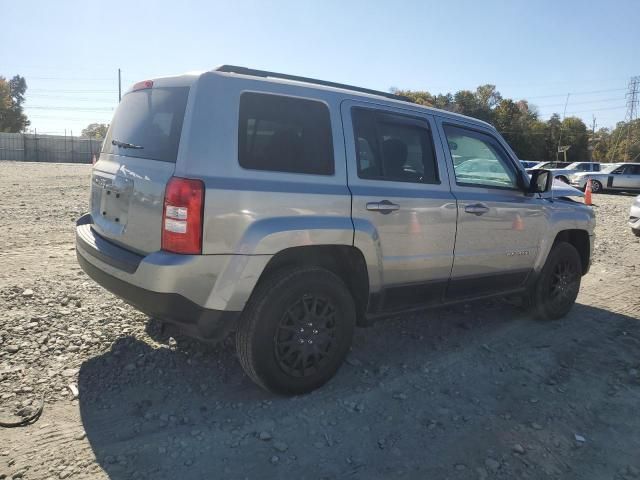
x=148 y=124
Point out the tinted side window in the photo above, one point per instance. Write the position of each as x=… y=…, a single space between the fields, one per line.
x=284 y=134
x=393 y=147
x=479 y=160
x=596 y=167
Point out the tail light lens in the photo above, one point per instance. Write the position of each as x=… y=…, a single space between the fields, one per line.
x=142 y=85
x=182 y=216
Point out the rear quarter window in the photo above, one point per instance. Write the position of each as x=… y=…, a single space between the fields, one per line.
x=284 y=134
x=151 y=119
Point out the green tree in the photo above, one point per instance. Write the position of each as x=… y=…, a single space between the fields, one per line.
x=488 y=96
x=519 y=125
x=553 y=127
x=574 y=133
x=601 y=144
x=5 y=101
x=529 y=137
x=95 y=130
x=444 y=101
x=12 y=117
x=622 y=144
x=419 y=97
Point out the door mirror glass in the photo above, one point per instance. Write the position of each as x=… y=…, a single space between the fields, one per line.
x=541 y=181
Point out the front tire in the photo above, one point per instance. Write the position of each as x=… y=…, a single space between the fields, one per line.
x=558 y=285
x=296 y=330
x=596 y=186
x=636 y=231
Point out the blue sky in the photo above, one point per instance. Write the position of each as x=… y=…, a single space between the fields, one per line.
x=538 y=50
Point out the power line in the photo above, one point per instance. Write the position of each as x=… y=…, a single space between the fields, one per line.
x=88 y=119
x=592 y=92
x=75 y=99
x=70 y=91
x=616 y=99
x=91 y=109
x=587 y=111
x=632 y=108
x=631 y=95
x=70 y=79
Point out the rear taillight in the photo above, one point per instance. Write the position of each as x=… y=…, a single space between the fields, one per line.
x=182 y=216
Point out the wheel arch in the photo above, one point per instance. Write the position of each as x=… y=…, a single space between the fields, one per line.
x=580 y=240
x=346 y=261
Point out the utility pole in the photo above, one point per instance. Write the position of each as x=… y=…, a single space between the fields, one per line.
x=119 y=86
x=593 y=138
x=564 y=114
x=633 y=97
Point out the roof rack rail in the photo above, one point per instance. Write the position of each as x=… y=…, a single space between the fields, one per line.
x=284 y=76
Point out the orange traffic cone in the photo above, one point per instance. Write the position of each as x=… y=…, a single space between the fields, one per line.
x=587 y=193
x=518 y=223
x=414 y=224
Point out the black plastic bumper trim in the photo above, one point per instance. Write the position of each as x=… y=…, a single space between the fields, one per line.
x=194 y=320
x=105 y=251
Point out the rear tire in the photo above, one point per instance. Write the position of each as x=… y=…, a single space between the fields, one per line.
x=296 y=330
x=636 y=232
x=558 y=285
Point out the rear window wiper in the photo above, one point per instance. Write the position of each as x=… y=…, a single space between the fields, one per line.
x=126 y=145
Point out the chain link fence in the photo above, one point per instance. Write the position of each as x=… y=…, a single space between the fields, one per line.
x=31 y=147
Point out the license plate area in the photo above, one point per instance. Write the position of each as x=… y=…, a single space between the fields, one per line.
x=111 y=198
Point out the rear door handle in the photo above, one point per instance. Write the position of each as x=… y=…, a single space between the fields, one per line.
x=477 y=209
x=384 y=207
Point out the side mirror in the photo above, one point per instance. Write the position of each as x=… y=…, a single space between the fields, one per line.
x=540 y=182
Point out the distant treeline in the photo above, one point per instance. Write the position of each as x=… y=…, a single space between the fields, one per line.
x=532 y=138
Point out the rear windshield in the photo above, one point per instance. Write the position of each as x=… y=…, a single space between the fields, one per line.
x=148 y=124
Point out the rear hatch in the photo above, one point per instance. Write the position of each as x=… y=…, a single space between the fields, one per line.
x=138 y=158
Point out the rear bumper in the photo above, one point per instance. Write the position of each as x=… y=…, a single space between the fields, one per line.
x=194 y=320
x=180 y=289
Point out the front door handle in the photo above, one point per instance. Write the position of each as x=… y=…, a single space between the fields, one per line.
x=384 y=207
x=477 y=209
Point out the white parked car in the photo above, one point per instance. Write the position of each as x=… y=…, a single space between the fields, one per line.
x=634 y=217
x=527 y=164
x=547 y=166
x=615 y=176
x=563 y=174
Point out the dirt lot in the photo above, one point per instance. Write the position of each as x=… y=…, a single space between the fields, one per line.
x=477 y=391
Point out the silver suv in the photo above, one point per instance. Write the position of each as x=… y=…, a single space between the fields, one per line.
x=289 y=210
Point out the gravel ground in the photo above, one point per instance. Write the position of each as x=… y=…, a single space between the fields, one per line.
x=472 y=392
